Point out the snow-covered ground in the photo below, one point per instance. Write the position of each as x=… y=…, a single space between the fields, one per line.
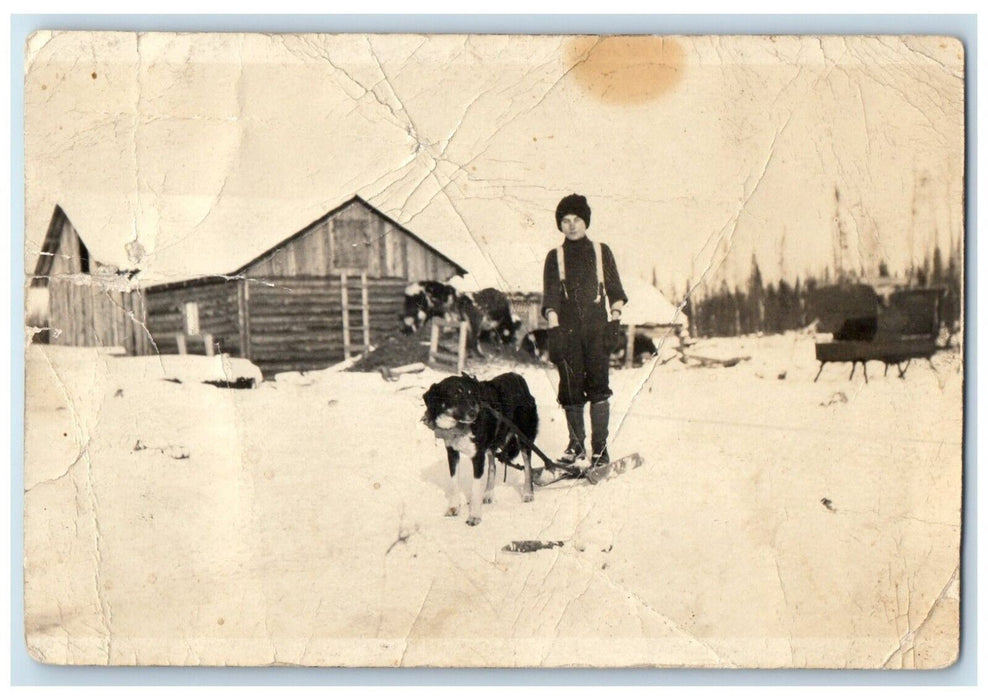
x=774 y=523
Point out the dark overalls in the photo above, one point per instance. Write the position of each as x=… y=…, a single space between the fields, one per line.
x=579 y=301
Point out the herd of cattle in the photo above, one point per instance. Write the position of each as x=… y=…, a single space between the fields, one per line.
x=490 y=319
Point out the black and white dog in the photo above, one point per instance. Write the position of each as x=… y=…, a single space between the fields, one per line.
x=425 y=300
x=488 y=311
x=457 y=410
x=494 y=320
x=643 y=348
x=536 y=344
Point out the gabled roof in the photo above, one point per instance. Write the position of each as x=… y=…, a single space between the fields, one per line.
x=305 y=230
x=49 y=249
x=328 y=215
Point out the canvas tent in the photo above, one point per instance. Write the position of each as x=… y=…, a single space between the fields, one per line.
x=647 y=306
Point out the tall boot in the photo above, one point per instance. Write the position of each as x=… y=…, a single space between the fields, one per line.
x=575 y=451
x=600 y=416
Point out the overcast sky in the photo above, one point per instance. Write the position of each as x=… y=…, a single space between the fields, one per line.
x=190 y=154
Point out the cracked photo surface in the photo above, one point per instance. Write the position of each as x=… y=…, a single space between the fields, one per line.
x=494 y=351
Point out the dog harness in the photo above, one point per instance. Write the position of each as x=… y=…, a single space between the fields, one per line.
x=598 y=261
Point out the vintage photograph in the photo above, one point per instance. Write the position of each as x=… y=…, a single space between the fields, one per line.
x=507 y=351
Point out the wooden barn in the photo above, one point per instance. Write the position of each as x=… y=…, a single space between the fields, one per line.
x=327 y=292
x=89 y=303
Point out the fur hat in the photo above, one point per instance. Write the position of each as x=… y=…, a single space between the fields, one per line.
x=573 y=204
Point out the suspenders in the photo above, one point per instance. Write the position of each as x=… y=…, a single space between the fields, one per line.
x=598 y=259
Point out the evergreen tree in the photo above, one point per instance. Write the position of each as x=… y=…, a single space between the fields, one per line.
x=756 y=296
x=690 y=311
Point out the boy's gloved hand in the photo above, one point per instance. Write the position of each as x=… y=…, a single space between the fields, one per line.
x=554 y=341
x=614 y=337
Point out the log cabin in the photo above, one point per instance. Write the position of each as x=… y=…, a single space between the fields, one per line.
x=327 y=292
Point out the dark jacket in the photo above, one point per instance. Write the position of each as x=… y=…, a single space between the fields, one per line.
x=576 y=301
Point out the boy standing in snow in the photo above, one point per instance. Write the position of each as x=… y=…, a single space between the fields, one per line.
x=580 y=277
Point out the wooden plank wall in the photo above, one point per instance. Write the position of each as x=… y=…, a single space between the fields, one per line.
x=89 y=314
x=296 y=324
x=218 y=315
x=390 y=252
x=528 y=307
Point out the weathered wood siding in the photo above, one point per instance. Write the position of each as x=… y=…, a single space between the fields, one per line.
x=296 y=324
x=70 y=256
x=83 y=312
x=355 y=239
x=528 y=307
x=218 y=314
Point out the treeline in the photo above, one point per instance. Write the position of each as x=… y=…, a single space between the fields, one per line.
x=777 y=307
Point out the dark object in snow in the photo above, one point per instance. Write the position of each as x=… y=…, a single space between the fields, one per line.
x=527 y=546
x=391 y=374
x=828 y=504
x=402 y=538
x=394 y=351
x=238 y=383
x=894 y=329
x=642 y=350
x=707 y=362
x=173 y=451
x=783 y=375
x=838 y=397
x=398 y=350
x=173 y=380
x=118 y=393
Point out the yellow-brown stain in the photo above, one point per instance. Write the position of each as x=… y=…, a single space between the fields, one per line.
x=625 y=69
x=94 y=76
